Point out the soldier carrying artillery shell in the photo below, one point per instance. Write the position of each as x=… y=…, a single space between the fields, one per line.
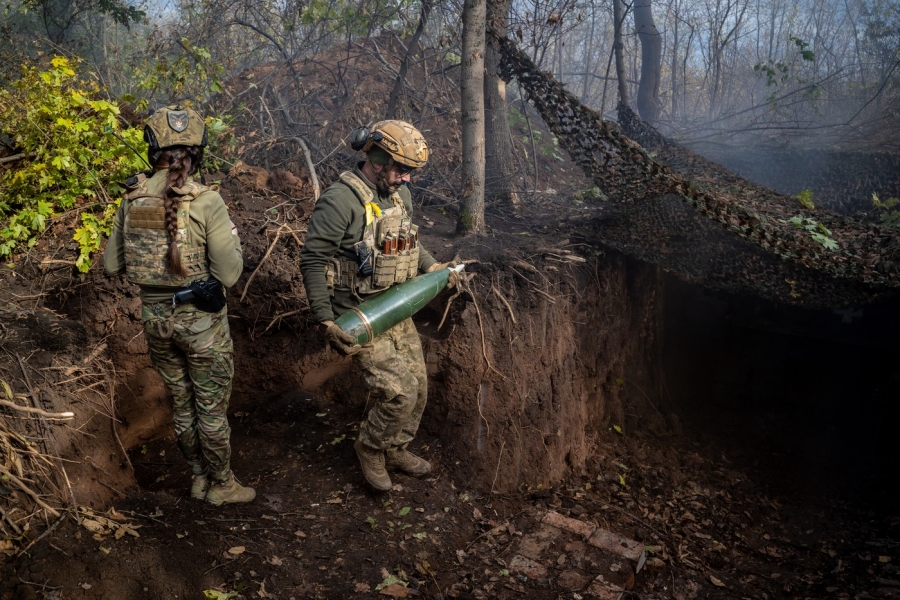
x=360 y=242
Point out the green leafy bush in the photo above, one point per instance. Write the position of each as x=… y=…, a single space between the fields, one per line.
x=887 y=210
x=816 y=230
x=59 y=122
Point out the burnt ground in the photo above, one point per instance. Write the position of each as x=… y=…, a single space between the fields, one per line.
x=717 y=517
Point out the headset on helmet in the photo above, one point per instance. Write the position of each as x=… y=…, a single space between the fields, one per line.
x=175 y=126
x=403 y=142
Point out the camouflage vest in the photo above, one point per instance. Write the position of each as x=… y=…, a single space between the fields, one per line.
x=146 y=242
x=391 y=237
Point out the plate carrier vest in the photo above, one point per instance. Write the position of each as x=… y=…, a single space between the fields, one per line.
x=391 y=237
x=146 y=242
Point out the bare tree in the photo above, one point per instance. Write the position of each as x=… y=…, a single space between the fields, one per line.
x=619 y=47
x=651 y=53
x=471 y=209
x=498 y=151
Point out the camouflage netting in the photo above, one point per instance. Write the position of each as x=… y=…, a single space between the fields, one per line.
x=842 y=181
x=667 y=205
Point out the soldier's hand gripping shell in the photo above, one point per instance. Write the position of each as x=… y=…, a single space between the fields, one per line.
x=340 y=340
x=453 y=279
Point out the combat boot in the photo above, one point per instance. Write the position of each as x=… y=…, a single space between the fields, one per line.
x=199 y=486
x=229 y=492
x=372 y=463
x=402 y=459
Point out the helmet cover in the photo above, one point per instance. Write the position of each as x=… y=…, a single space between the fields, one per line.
x=175 y=126
x=403 y=142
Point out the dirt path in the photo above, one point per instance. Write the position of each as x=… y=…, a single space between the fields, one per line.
x=315 y=531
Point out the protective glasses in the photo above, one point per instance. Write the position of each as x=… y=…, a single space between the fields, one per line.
x=403 y=169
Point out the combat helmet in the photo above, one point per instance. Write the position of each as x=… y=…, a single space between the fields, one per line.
x=403 y=142
x=175 y=126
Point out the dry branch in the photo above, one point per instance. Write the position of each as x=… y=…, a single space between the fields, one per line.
x=264 y=258
x=505 y=303
x=21 y=485
x=37 y=411
x=12 y=158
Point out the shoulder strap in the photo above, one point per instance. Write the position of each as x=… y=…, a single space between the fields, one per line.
x=362 y=191
x=193 y=189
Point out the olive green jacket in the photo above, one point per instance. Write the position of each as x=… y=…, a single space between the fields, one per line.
x=336 y=225
x=210 y=227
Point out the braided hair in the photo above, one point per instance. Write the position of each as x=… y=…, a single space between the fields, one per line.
x=181 y=162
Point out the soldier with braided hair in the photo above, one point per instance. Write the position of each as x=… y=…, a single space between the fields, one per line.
x=172 y=236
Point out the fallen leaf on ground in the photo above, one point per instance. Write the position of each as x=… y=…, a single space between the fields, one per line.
x=236 y=550
x=395 y=590
x=217 y=595
x=716 y=582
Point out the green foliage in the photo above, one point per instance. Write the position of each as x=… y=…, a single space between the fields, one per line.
x=121 y=12
x=816 y=230
x=805 y=199
x=593 y=193
x=193 y=74
x=57 y=120
x=890 y=216
x=778 y=73
x=348 y=17
x=90 y=235
x=222 y=144
x=803 y=48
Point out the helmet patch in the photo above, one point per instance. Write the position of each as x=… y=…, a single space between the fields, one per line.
x=177 y=120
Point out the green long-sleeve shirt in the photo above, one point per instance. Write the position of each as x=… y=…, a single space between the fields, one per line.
x=210 y=227
x=336 y=225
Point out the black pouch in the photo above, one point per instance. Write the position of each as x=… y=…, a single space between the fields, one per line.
x=209 y=296
x=363 y=259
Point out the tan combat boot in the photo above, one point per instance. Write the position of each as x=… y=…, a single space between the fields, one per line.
x=402 y=459
x=229 y=492
x=199 y=486
x=372 y=463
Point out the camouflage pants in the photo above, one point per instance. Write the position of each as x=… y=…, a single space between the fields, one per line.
x=394 y=370
x=197 y=364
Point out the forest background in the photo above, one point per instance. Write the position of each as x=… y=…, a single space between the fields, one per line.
x=78 y=76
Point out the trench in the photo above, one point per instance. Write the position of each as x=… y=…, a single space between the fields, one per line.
x=804 y=398
x=523 y=392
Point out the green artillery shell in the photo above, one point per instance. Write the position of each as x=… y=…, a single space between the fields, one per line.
x=373 y=317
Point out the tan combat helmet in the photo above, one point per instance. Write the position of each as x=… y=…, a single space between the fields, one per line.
x=175 y=126
x=403 y=142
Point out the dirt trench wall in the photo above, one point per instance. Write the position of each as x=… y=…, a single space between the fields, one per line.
x=524 y=405
x=520 y=386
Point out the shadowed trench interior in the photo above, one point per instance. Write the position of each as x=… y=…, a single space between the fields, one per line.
x=806 y=398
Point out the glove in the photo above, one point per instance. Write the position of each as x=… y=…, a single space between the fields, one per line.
x=340 y=340
x=454 y=276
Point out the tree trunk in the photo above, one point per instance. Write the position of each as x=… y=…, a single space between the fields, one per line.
x=651 y=52
x=471 y=210
x=675 y=41
x=619 y=46
x=498 y=150
x=404 y=66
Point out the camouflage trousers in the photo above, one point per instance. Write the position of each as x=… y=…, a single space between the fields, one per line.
x=394 y=370
x=196 y=362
